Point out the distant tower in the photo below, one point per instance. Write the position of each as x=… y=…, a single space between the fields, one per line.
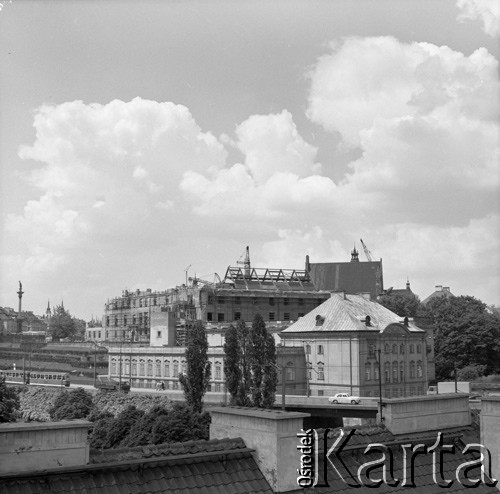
x=19 y=318
x=354 y=255
x=408 y=284
x=48 y=313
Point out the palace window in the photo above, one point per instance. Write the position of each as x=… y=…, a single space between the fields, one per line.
x=218 y=370
x=412 y=369
x=150 y=368
x=368 y=371
x=290 y=371
x=395 y=372
x=394 y=348
x=220 y=317
x=237 y=316
x=166 y=369
x=158 y=368
x=412 y=348
x=176 y=368
x=286 y=316
x=320 y=349
x=271 y=316
x=387 y=372
x=321 y=371
x=419 y=368
x=141 y=368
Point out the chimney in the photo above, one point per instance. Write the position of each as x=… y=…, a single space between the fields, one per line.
x=446 y=289
x=427 y=413
x=273 y=436
x=490 y=433
x=37 y=446
x=439 y=288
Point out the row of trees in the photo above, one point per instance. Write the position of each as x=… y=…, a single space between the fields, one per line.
x=250 y=365
x=466 y=333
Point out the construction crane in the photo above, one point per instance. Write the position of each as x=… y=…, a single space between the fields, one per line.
x=196 y=280
x=246 y=261
x=368 y=254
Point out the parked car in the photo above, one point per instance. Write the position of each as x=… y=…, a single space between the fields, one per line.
x=344 y=398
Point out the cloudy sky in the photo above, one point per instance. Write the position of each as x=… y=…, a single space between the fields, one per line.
x=138 y=138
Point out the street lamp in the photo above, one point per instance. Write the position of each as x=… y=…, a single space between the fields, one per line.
x=379 y=384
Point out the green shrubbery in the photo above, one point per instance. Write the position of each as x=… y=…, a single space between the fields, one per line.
x=119 y=420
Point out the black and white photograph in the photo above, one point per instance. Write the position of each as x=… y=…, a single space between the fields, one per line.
x=249 y=246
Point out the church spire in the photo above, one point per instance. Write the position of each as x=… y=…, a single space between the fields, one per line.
x=354 y=255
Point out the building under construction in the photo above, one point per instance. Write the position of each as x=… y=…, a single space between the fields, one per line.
x=280 y=296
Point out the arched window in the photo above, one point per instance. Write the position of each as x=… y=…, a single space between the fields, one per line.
x=419 y=369
x=412 y=369
x=394 y=348
x=375 y=372
x=387 y=348
x=134 y=367
x=150 y=368
x=184 y=368
x=394 y=372
x=141 y=368
x=113 y=366
x=158 y=368
x=218 y=370
x=419 y=348
x=412 y=348
x=387 y=372
x=290 y=371
x=368 y=371
x=402 y=348
x=176 y=368
x=127 y=366
x=401 y=372
x=166 y=369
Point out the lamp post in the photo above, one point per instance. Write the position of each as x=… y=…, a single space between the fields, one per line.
x=380 y=385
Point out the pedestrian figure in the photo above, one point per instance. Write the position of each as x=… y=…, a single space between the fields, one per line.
x=162 y=386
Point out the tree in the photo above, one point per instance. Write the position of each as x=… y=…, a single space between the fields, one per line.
x=262 y=364
x=195 y=383
x=407 y=305
x=62 y=324
x=9 y=402
x=237 y=363
x=271 y=374
x=232 y=369
x=75 y=404
x=465 y=335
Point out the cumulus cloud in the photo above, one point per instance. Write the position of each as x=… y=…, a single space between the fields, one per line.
x=425 y=118
x=278 y=178
x=107 y=172
x=486 y=11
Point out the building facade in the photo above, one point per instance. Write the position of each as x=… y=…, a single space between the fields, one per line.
x=280 y=296
x=358 y=346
